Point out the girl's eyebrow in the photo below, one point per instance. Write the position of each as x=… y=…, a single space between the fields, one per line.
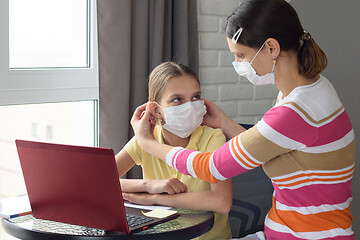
x=175 y=95
x=180 y=95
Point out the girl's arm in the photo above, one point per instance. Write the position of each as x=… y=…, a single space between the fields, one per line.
x=218 y=199
x=124 y=163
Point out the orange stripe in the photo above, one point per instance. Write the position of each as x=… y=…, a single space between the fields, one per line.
x=314 y=174
x=246 y=156
x=312 y=180
x=237 y=155
x=312 y=222
x=201 y=167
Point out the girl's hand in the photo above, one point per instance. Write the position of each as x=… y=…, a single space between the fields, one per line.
x=169 y=186
x=140 y=198
x=143 y=124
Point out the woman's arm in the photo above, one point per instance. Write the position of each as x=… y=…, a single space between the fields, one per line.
x=124 y=163
x=242 y=153
x=218 y=199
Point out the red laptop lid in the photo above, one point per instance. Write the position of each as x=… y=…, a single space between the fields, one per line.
x=73 y=184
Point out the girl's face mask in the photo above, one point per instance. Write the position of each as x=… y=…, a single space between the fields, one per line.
x=245 y=69
x=183 y=119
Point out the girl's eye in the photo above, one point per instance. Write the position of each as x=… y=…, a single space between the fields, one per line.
x=196 y=97
x=176 y=100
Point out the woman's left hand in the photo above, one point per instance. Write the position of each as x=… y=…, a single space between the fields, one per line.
x=143 y=124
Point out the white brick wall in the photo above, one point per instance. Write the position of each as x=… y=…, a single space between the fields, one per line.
x=239 y=99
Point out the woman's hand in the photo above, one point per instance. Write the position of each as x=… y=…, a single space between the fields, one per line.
x=169 y=186
x=143 y=124
x=214 y=116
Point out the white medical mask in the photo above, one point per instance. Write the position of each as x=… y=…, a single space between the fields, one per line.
x=183 y=119
x=246 y=69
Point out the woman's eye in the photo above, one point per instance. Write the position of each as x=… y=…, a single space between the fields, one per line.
x=239 y=57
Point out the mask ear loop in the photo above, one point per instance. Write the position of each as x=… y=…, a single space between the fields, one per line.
x=160 y=120
x=258 y=52
x=236 y=36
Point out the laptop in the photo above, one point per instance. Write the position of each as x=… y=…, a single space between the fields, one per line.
x=77 y=185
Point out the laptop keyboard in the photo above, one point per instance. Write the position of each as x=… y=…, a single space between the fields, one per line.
x=135 y=220
x=28 y=221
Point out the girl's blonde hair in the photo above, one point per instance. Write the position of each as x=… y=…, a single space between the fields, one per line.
x=162 y=74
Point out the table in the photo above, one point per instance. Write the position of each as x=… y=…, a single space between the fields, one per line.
x=189 y=224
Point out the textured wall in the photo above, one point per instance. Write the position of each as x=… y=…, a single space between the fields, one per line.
x=239 y=99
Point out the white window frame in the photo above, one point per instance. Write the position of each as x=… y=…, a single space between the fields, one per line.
x=24 y=86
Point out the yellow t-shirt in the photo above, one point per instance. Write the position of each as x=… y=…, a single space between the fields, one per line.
x=204 y=139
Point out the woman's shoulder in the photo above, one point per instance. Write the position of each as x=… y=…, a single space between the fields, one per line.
x=315 y=101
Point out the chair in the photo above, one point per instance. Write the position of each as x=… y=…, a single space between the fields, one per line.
x=252 y=199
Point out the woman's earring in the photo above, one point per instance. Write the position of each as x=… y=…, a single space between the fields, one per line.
x=274 y=60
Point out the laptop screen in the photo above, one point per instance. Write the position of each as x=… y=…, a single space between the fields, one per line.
x=73 y=184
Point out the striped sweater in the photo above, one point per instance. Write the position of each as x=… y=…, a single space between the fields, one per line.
x=305 y=144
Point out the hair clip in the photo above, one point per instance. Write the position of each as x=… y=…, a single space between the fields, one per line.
x=236 y=36
x=306 y=36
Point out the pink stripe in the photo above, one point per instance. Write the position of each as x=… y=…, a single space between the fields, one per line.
x=318 y=193
x=175 y=155
x=181 y=160
x=334 y=130
x=290 y=124
x=273 y=235
x=229 y=169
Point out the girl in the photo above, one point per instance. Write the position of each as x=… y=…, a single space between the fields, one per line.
x=178 y=111
x=305 y=143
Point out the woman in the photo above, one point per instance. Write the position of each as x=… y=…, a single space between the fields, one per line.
x=174 y=90
x=305 y=143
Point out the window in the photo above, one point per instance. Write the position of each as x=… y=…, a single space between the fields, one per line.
x=49 y=86
x=48 y=51
x=53 y=35
x=48 y=78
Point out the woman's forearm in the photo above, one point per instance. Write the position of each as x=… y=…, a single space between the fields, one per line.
x=231 y=128
x=155 y=148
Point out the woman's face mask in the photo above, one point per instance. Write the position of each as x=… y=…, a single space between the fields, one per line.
x=246 y=69
x=183 y=119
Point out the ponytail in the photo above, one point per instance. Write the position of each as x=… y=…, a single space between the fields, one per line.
x=311 y=58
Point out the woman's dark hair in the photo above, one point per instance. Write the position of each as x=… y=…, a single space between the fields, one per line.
x=263 y=19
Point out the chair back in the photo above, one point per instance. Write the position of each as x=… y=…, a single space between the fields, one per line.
x=252 y=199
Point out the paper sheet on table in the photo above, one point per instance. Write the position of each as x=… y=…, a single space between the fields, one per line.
x=159 y=213
x=127 y=204
x=14 y=206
